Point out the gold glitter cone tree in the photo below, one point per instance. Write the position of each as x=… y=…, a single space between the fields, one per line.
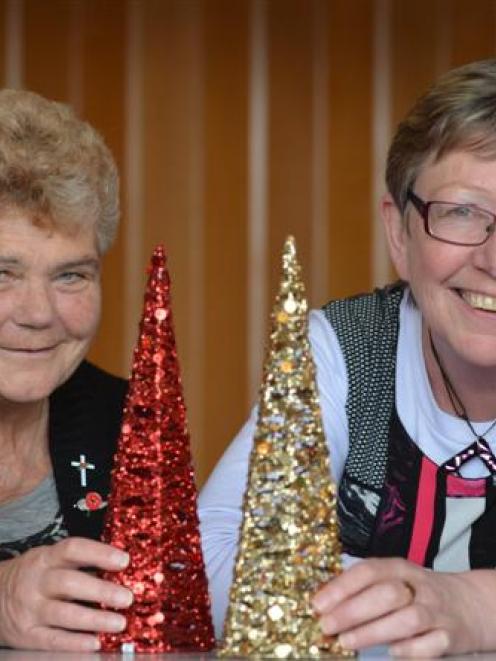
x=289 y=542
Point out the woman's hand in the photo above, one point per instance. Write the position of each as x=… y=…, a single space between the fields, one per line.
x=418 y=612
x=38 y=591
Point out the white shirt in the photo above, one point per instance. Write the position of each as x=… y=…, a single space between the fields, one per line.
x=439 y=435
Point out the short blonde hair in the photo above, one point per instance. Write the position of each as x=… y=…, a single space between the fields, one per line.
x=56 y=167
x=458 y=112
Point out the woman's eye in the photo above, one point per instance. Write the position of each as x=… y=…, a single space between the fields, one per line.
x=470 y=214
x=6 y=276
x=460 y=212
x=70 y=277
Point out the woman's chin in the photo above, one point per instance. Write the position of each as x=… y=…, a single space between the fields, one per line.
x=25 y=393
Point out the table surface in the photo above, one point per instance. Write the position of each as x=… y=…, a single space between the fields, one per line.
x=22 y=655
x=375 y=654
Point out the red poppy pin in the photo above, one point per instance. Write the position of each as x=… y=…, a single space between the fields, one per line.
x=91 y=502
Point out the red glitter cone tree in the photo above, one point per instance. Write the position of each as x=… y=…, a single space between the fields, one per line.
x=152 y=510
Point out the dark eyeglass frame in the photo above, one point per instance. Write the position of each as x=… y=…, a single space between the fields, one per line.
x=423 y=209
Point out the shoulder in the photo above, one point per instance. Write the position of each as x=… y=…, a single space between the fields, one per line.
x=91 y=388
x=367 y=322
x=326 y=349
x=378 y=305
x=88 y=374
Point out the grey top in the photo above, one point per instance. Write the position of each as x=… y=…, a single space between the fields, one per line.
x=31 y=520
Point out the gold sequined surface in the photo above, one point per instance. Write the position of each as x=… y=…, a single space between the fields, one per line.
x=289 y=543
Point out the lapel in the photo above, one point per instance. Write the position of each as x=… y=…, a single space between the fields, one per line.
x=84 y=420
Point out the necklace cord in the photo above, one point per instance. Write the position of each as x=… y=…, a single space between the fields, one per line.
x=456 y=402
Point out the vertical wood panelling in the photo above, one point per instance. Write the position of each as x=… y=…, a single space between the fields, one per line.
x=414 y=67
x=14 y=43
x=195 y=376
x=226 y=166
x=4 y=42
x=473 y=30
x=381 y=135
x=319 y=263
x=290 y=29
x=46 y=68
x=74 y=69
x=103 y=106
x=444 y=35
x=173 y=166
x=133 y=194
x=350 y=146
x=235 y=123
x=258 y=218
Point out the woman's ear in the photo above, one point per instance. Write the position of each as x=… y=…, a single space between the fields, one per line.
x=397 y=235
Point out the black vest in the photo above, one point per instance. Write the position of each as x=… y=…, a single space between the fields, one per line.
x=367 y=329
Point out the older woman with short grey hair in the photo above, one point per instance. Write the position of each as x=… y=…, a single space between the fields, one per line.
x=407 y=380
x=59 y=415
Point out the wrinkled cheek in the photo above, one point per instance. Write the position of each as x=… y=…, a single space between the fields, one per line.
x=423 y=269
x=417 y=276
x=82 y=317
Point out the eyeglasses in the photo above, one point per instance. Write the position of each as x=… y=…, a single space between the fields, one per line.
x=459 y=224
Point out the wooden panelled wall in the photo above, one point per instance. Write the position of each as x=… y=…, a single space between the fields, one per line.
x=234 y=123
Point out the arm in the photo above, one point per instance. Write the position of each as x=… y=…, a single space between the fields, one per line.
x=220 y=503
x=220 y=511
x=417 y=611
x=41 y=591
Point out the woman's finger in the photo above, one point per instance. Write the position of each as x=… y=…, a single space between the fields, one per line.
x=429 y=645
x=75 y=617
x=360 y=577
x=368 y=605
x=52 y=639
x=401 y=624
x=80 y=552
x=72 y=584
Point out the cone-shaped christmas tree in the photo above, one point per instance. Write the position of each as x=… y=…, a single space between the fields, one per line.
x=289 y=542
x=152 y=510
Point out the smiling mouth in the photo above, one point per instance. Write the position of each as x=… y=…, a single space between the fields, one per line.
x=29 y=351
x=479 y=301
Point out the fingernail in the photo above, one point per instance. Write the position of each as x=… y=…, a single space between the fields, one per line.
x=117 y=623
x=121 y=558
x=124 y=599
x=328 y=625
x=346 y=640
x=92 y=644
x=319 y=603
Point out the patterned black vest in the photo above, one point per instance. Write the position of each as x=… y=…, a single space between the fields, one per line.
x=367 y=329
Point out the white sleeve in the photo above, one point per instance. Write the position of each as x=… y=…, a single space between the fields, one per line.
x=220 y=502
x=332 y=382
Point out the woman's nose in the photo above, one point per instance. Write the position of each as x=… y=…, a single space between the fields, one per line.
x=34 y=307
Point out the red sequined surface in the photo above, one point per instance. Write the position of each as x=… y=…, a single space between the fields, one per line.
x=152 y=510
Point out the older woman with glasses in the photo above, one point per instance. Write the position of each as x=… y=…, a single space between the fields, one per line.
x=416 y=467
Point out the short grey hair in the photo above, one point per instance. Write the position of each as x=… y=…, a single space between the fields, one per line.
x=56 y=167
x=458 y=112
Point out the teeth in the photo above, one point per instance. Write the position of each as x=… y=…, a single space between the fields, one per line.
x=480 y=301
